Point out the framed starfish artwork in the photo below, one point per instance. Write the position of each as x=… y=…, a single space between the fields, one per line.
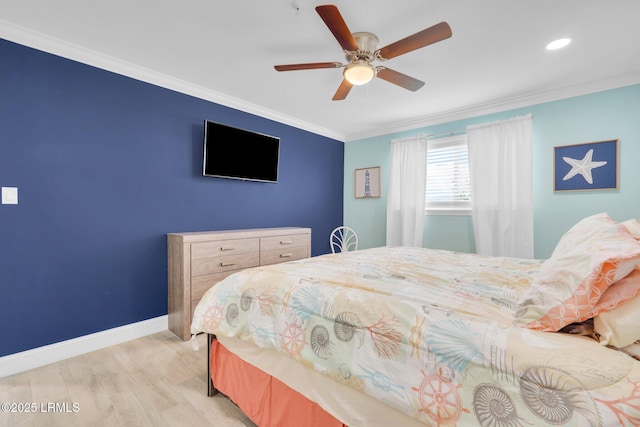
x=588 y=166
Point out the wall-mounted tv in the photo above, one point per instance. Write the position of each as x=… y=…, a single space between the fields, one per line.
x=231 y=152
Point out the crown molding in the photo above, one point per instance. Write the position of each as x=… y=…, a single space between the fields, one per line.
x=77 y=53
x=506 y=104
x=43 y=42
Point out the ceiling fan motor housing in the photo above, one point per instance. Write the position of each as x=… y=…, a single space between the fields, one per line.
x=368 y=44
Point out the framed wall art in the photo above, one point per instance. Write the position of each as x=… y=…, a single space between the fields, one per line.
x=588 y=166
x=367 y=182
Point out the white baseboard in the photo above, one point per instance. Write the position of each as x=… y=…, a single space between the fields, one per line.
x=23 y=361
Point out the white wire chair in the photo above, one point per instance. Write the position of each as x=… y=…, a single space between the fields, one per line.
x=343 y=239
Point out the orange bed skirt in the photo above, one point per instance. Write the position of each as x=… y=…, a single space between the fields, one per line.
x=267 y=401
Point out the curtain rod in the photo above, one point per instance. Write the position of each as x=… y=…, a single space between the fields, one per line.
x=448 y=133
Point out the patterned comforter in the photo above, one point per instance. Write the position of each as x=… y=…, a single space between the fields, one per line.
x=427 y=332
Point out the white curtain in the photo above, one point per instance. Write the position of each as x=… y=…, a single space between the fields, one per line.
x=501 y=167
x=407 y=186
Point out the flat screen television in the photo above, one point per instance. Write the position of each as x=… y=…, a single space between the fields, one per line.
x=231 y=152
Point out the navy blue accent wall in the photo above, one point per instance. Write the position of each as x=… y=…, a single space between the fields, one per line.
x=107 y=165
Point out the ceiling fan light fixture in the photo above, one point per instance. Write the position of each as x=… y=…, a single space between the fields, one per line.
x=359 y=73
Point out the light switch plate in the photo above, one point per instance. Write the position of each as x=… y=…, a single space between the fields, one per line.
x=9 y=195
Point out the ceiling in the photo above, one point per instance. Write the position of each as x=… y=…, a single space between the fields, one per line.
x=225 y=52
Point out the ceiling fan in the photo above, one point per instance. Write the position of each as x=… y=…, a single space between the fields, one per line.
x=362 y=48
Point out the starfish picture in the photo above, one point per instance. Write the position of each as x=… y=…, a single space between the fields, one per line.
x=582 y=167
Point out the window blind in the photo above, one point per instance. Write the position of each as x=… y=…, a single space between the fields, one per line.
x=448 y=181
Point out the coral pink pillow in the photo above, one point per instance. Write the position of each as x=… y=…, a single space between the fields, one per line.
x=590 y=257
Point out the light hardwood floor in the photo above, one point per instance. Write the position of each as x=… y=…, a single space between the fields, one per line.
x=157 y=380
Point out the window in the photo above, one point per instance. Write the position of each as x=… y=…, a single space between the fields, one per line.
x=448 y=181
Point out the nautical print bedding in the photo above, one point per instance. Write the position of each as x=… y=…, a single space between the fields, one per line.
x=429 y=333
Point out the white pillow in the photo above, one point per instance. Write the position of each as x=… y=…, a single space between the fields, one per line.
x=619 y=327
x=633 y=225
x=633 y=350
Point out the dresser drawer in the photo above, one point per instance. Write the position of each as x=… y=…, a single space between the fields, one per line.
x=224 y=247
x=283 y=255
x=286 y=241
x=201 y=284
x=219 y=264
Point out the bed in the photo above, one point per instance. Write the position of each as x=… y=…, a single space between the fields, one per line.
x=415 y=337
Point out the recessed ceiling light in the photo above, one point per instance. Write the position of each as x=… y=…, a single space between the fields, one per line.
x=558 y=44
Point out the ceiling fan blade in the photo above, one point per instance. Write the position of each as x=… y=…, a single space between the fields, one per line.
x=333 y=19
x=399 y=79
x=343 y=90
x=420 y=39
x=308 y=66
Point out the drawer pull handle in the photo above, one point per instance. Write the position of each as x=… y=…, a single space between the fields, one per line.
x=286 y=242
x=286 y=255
x=226 y=248
x=227 y=264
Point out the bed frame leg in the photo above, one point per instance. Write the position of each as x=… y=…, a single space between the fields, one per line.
x=211 y=390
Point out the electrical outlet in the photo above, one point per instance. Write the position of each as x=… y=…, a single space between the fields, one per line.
x=9 y=195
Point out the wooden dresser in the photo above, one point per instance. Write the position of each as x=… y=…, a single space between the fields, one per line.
x=199 y=260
